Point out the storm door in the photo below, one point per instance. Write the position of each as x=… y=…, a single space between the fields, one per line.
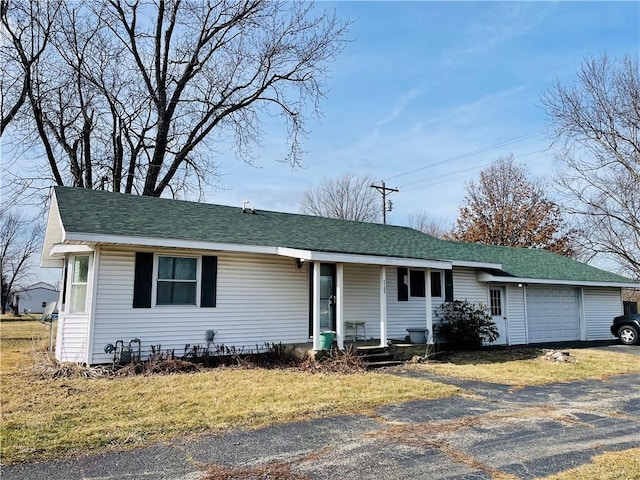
x=327 y=297
x=498 y=313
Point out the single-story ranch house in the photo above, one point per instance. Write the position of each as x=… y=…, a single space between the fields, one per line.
x=166 y=272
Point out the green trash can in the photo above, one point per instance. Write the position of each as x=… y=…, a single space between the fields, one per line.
x=326 y=340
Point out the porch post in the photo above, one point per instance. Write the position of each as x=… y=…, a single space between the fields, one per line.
x=340 y=305
x=581 y=318
x=316 y=305
x=428 y=305
x=383 y=306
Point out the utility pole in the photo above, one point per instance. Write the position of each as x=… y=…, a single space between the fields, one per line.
x=383 y=189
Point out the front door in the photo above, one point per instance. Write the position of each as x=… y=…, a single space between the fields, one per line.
x=498 y=313
x=327 y=297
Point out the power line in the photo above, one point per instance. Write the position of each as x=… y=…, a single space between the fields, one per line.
x=444 y=175
x=517 y=157
x=468 y=154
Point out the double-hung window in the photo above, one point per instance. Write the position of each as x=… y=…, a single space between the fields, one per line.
x=411 y=283
x=177 y=281
x=436 y=284
x=416 y=283
x=79 y=278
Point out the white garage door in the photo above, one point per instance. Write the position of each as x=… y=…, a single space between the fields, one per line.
x=552 y=314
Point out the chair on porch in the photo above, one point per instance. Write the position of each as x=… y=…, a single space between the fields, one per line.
x=352 y=328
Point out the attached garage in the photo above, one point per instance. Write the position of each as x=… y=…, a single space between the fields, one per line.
x=553 y=314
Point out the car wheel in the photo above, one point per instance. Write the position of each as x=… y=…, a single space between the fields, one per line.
x=628 y=335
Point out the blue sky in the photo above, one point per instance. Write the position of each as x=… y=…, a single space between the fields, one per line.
x=422 y=83
x=438 y=89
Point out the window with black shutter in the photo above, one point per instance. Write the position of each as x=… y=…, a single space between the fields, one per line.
x=176 y=281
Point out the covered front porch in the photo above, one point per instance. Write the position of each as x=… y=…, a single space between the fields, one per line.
x=360 y=301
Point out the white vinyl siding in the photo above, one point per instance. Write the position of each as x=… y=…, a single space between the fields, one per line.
x=260 y=298
x=467 y=287
x=71 y=338
x=601 y=305
x=362 y=296
x=516 y=319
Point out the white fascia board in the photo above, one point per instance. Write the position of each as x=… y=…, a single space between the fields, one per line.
x=487 y=277
x=294 y=253
x=61 y=249
x=91 y=238
x=52 y=263
x=310 y=256
x=467 y=263
x=53 y=217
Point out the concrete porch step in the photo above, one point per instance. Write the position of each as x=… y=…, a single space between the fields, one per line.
x=375 y=356
x=370 y=350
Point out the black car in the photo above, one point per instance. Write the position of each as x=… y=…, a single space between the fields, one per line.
x=627 y=328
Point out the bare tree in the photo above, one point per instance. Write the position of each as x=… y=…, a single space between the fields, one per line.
x=507 y=208
x=420 y=220
x=18 y=243
x=27 y=32
x=349 y=197
x=596 y=124
x=137 y=96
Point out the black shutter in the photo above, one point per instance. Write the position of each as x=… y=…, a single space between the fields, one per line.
x=448 y=285
x=403 y=288
x=208 y=281
x=64 y=282
x=143 y=280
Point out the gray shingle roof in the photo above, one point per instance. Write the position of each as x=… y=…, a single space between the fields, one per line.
x=106 y=213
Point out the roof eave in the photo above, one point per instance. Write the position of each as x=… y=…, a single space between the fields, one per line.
x=470 y=263
x=487 y=277
x=339 y=257
x=102 y=239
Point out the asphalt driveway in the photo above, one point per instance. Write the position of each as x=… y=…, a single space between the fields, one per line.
x=530 y=432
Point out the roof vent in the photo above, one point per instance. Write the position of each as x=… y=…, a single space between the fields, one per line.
x=245 y=204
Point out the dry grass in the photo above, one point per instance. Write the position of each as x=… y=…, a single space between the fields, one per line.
x=608 y=466
x=270 y=471
x=524 y=366
x=21 y=340
x=44 y=418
